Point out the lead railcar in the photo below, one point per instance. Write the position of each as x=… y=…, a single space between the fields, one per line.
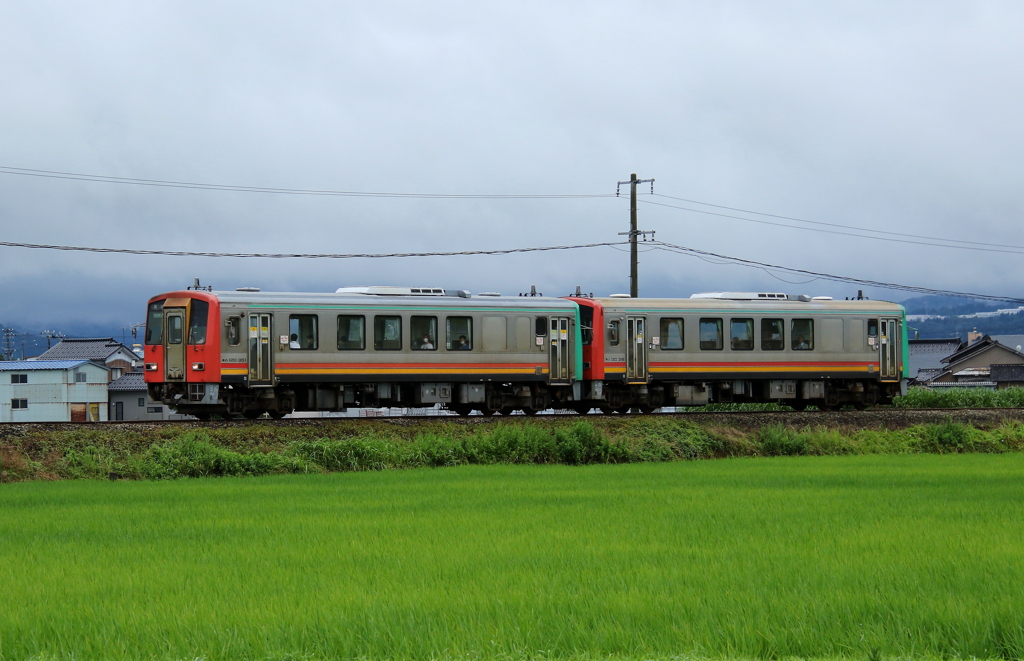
x=248 y=352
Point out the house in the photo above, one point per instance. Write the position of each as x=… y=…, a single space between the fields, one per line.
x=104 y=351
x=1007 y=376
x=53 y=391
x=971 y=365
x=129 y=400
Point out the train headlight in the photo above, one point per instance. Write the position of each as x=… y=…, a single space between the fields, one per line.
x=198 y=367
x=151 y=367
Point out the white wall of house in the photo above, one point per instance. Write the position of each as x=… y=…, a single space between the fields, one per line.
x=136 y=405
x=50 y=395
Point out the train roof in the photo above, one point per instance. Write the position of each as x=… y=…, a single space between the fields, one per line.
x=789 y=305
x=365 y=300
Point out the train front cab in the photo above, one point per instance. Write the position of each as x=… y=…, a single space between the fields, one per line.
x=182 y=350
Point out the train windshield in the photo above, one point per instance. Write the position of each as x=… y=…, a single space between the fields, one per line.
x=155 y=323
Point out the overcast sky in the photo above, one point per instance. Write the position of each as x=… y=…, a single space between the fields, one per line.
x=903 y=117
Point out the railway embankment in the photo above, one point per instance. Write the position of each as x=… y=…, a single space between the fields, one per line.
x=194 y=449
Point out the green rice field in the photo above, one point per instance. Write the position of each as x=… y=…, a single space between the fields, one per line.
x=863 y=557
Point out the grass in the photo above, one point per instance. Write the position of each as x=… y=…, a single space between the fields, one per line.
x=952 y=398
x=856 y=557
x=174 y=452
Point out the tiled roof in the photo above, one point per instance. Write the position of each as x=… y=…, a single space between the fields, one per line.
x=928 y=354
x=926 y=374
x=95 y=348
x=1012 y=341
x=1007 y=373
x=25 y=365
x=130 y=381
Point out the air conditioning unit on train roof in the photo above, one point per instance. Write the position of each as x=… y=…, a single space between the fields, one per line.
x=403 y=291
x=743 y=296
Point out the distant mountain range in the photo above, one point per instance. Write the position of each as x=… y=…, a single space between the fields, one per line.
x=950 y=316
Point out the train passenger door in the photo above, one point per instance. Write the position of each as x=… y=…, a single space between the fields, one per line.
x=636 y=350
x=561 y=358
x=261 y=360
x=889 y=347
x=174 y=341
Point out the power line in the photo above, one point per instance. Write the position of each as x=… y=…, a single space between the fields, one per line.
x=77 y=176
x=1001 y=247
x=836 y=278
x=182 y=253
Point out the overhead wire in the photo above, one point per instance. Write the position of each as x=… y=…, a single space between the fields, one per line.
x=670 y=247
x=161 y=183
x=818 y=222
x=186 y=253
x=662 y=245
x=1020 y=251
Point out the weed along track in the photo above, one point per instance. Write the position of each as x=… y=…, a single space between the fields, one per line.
x=912 y=556
x=193 y=449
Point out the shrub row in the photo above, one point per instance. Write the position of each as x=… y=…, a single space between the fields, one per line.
x=195 y=453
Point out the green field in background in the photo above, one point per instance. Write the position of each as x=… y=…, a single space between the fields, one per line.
x=858 y=557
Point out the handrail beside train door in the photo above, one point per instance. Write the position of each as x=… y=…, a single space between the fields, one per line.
x=261 y=363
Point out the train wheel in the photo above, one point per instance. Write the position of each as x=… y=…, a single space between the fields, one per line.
x=276 y=415
x=530 y=411
x=798 y=406
x=506 y=410
x=203 y=417
x=486 y=412
x=581 y=409
x=228 y=416
x=252 y=415
x=462 y=410
x=606 y=410
x=860 y=406
x=623 y=410
x=647 y=408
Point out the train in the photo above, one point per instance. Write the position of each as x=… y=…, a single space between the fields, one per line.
x=248 y=352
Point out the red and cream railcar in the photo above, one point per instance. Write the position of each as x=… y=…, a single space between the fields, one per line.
x=248 y=352
x=646 y=353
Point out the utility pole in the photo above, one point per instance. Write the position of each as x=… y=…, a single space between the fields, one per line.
x=634 y=287
x=8 y=336
x=51 y=335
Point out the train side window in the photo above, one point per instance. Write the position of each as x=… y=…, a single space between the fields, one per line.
x=302 y=332
x=613 y=333
x=155 y=323
x=197 y=322
x=872 y=328
x=671 y=334
x=387 y=333
x=351 y=332
x=741 y=334
x=711 y=334
x=423 y=331
x=773 y=335
x=234 y=331
x=459 y=333
x=541 y=327
x=803 y=334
